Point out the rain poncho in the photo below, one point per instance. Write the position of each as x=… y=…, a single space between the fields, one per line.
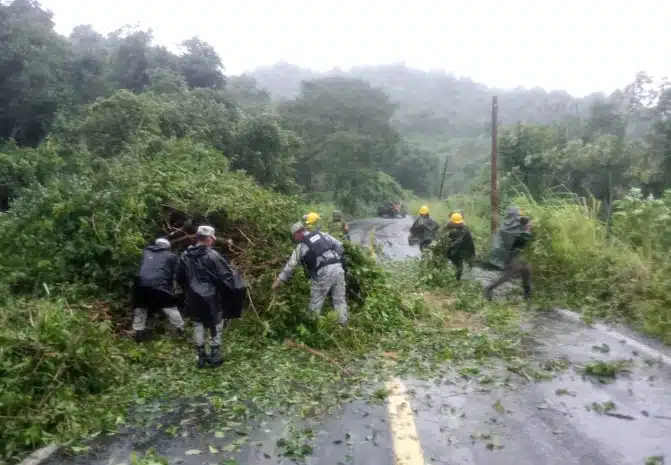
x=213 y=290
x=158 y=269
x=513 y=235
x=422 y=230
x=460 y=245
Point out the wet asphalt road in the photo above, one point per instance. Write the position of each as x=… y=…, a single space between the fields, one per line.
x=458 y=419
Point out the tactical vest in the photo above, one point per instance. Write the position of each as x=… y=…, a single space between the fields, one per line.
x=318 y=246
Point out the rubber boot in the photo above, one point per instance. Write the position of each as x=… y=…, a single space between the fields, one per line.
x=488 y=293
x=215 y=358
x=141 y=335
x=527 y=297
x=202 y=357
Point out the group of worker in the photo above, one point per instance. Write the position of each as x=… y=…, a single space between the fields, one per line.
x=214 y=293
x=512 y=238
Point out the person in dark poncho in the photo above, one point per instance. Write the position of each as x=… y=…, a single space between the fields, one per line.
x=423 y=230
x=460 y=245
x=513 y=237
x=154 y=288
x=214 y=293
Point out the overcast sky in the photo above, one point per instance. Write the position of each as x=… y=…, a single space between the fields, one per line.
x=578 y=45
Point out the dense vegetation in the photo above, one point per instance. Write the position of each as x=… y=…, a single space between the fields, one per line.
x=440 y=115
x=108 y=142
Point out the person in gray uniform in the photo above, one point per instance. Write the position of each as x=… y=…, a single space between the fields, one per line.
x=321 y=256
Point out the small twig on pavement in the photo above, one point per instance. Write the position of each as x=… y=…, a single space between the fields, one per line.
x=621 y=416
x=296 y=345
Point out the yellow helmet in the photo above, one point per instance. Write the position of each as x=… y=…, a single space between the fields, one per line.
x=424 y=210
x=311 y=218
x=456 y=218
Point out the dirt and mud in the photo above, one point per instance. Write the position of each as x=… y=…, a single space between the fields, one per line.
x=461 y=417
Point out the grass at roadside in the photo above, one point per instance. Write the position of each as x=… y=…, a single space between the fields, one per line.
x=617 y=271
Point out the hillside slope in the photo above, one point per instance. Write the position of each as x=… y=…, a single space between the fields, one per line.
x=435 y=106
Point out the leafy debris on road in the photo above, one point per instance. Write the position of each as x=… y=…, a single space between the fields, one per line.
x=654 y=460
x=564 y=392
x=606 y=372
x=608 y=409
x=297 y=446
x=601 y=407
x=149 y=458
x=603 y=348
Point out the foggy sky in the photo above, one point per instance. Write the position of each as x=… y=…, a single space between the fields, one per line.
x=580 y=46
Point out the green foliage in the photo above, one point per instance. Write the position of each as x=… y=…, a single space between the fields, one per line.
x=21 y=168
x=57 y=367
x=114 y=124
x=33 y=62
x=574 y=258
x=80 y=232
x=267 y=152
x=359 y=190
x=644 y=222
x=345 y=126
x=97 y=222
x=577 y=260
x=539 y=158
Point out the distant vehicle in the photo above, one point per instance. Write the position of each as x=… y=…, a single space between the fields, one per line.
x=392 y=210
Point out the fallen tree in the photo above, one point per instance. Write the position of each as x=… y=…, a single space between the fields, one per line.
x=75 y=242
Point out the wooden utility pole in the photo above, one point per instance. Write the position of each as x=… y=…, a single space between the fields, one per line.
x=495 y=185
x=442 y=181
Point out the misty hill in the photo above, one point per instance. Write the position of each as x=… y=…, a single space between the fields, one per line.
x=435 y=106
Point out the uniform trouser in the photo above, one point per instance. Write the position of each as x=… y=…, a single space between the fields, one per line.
x=200 y=331
x=458 y=263
x=516 y=268
x=424 y=245
x=330 y=279
x=140 y=318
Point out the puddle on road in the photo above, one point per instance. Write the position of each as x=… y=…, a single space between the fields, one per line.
x=184 y=430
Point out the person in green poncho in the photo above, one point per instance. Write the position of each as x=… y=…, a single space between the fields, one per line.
x=423 y=230
x=460 y=246
x=338 y=225
x=513 y=237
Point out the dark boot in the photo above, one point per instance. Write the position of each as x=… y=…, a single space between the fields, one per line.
x=215 y=357
x=526 y=281
x=141 y=336
x=488 y=293
x=202 y=357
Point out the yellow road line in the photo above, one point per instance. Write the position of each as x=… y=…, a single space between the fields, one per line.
x=407 y=448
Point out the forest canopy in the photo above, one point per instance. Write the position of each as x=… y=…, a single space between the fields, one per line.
x=319 y=134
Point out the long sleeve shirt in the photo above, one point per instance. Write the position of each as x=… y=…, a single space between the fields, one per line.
x=301 y=250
